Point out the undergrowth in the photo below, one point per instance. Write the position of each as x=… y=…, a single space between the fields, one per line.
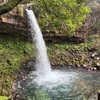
x=13 y=52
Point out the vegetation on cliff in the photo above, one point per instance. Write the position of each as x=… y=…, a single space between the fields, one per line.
x=86 y=54
x=14 y=51
x=60 y=16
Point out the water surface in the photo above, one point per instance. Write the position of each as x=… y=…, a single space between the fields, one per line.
x=62 y=85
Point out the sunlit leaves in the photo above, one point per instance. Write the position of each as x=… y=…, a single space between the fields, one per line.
x=62 y=15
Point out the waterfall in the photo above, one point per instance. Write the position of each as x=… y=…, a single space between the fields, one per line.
x=42 y=62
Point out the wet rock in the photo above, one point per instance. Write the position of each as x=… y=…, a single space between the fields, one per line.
x=14 y=86
x=94 y=54
x=84 y=65
x=69 y=66
x=93 y=68
x=98 y=64
x=91 y=49
x=98 y=58
x=30 y=65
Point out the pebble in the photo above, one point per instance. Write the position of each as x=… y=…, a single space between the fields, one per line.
x=94 y=54
x=98 y=64
x=98 y=58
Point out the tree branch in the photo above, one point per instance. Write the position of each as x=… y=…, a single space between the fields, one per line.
x=8 y=6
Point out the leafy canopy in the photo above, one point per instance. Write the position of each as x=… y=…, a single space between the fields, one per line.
x=60 y=16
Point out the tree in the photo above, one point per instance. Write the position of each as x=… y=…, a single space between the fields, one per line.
x=8 y=6
x=60 y=16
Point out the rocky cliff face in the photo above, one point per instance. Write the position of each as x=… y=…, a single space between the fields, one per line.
x=12 y=22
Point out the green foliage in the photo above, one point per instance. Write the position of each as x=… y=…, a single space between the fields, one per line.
x=60 y=16
x=13 y=52
x=65 y=53
x=3 y=98
x=70 y=46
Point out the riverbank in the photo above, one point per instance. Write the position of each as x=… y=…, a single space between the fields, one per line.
x=15 y=51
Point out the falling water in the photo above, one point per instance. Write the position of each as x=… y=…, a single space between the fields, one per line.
x=42 y=62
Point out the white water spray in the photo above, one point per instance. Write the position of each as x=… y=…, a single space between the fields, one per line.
x=42 y=62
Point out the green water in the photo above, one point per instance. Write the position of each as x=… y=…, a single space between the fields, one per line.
x=61 y=85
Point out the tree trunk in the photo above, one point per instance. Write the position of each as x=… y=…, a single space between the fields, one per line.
x=8 y=6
